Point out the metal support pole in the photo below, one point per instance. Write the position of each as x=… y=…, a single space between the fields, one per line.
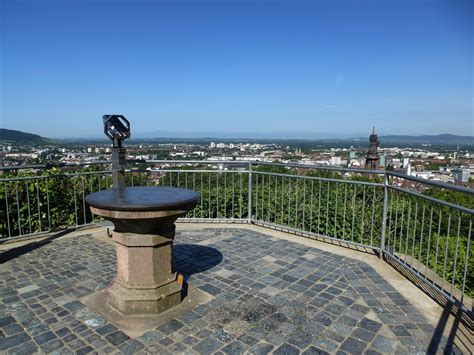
x=384 y=213
x=249 y=216
x=118 y=167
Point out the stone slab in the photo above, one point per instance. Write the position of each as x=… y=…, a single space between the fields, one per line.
x=135 y=326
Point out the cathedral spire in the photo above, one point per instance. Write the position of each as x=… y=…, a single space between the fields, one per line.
x=373 y=159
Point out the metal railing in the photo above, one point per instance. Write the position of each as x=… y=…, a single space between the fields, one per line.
x=423 y=226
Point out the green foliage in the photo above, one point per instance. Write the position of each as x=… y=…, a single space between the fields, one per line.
x=429 y=237
x=10 y=135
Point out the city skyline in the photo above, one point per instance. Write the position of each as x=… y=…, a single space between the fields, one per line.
x=274 y=68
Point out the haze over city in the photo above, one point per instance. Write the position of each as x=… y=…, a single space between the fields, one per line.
x=271 y=68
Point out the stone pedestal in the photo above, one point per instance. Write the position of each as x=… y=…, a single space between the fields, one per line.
x=144 y=232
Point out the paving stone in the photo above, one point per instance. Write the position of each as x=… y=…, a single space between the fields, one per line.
x=384 y=344
x=6 y=321
x=52 y=345
x=363 y=335
x=261 y=349
x=353 y=346
x=45 y=337
x=325 y=344
x=13 y=341
x=170 y=327
x=301 y=339
x=270 y=295
x=130 y=347
x=370 y=325
x=286 y=349
x=116 y=338
x=315 y=351
x=208 y=345
x=234 y=347
x=84 y=350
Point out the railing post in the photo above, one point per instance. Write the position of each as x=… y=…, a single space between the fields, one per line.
x=249 y=215
x=384 y=212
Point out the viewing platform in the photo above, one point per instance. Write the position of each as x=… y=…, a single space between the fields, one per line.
x=288 y=258
x=270 y=292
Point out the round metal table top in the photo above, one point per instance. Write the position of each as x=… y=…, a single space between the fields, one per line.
x=143 y=198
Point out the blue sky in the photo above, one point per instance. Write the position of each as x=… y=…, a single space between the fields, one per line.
x=284 y=68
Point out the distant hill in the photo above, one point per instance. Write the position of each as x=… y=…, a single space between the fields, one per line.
x=12 y=136
x=440 y=139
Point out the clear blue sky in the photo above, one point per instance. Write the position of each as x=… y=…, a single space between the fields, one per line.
x=283 y=67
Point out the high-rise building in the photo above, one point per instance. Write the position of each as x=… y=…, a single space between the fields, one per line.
x=373 y=159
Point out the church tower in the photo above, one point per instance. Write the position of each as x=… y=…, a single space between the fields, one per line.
x=373 y=159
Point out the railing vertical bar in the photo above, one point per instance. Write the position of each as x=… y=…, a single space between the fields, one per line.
x=296 y=203
x=289 y=202
x=373 y=215
x=467 y=260
x=275 y=202
x=217 y=193
x=209 y=195
x=240 y=196
x=389 y=242
x=408 y=230
x=84 y=201
x=269 y=198
x=319 y=206
x=185 y=179
x=344 y=212
x=414 y=233
x=18 y=208
x=225 y=194
x=262 y=194
x=437 y=245
x=421 y=238
x=194 y=189
x=304 y=202
x=249 y=202
x=446 y=250
x=335 y=211
x=394 y=245
x=363 y=216
x=353 y=211
x=326 y=232
x=75 y=200
x=312 y=205
x=401 y=225
x=428 y=249
x=7 y=210
x=257 y=190
x=233 y=194
x=47 y=204
x=179 y=185
x=282 y=198
x=202 y=195
x=456 y=254
x=39 y=207
x=29 y=204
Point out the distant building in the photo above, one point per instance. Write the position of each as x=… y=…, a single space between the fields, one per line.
x=335 y=161
x=352 y=153
x=373 y=160
x=461 y=175
x=383 y=160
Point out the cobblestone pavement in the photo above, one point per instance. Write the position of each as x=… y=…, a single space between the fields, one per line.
x=271 y=295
